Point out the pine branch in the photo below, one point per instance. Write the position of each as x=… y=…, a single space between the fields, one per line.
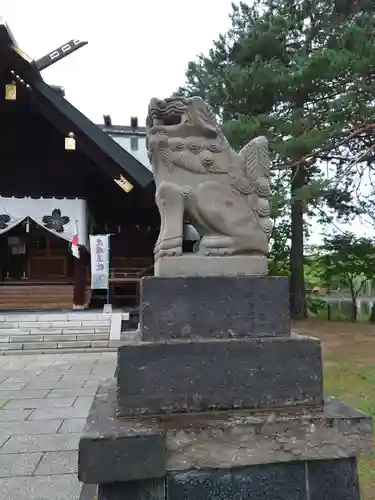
x=349 y=135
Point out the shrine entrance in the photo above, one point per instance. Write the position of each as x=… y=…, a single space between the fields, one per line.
x=30 y=252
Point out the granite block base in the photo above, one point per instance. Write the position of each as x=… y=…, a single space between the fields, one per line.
x=182 y=376
x=316 y=480
x=328 y=480
x=221 y=307
x=150 y=489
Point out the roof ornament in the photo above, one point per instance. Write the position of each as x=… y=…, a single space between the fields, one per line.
x=58 y=54
x=124 y=183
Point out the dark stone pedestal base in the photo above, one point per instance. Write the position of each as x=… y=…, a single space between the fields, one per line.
x=220 y=307
x=151 y=489
x=198 y=375
x=322 y=479
x=315 y=480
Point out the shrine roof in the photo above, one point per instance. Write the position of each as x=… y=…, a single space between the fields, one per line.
x=92 y=140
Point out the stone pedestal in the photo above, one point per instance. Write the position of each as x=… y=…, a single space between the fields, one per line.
x=298 y=481
x=203 y=375
x=193 y=264
x=203 y=410
x=218 y=307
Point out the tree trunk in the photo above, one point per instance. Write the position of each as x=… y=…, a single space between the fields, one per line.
x=353 y=302
x=298 y=308
x=354 y=311
x=372 y=315
x=329 y=312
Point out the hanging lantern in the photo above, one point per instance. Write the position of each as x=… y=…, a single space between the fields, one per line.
x=27 y=225
x=11 y=91
x=70 y=142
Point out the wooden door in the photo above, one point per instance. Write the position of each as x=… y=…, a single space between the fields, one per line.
x=48 y=257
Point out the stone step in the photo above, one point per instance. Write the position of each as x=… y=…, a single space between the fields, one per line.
x=54 y=331
x=55 y=345
x=57 y=331
x=52 y=324
x=12 y=331
x=75 y=317
x=54 y=338
x=65 y=344
x=18 y=351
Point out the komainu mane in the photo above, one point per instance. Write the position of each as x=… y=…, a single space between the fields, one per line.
x=199 y=177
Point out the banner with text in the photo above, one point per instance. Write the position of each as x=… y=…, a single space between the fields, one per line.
x=99 y=249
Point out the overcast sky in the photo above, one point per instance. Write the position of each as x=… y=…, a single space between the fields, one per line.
x=137 y=49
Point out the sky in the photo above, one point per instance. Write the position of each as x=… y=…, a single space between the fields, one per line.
x=136 y=50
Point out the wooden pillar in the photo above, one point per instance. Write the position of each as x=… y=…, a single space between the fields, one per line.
x=79 y=280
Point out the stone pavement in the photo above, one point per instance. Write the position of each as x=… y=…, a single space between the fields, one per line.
x=44 y=402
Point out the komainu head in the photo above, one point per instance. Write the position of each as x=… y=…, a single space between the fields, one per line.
x=184 y=132
x=182 y=117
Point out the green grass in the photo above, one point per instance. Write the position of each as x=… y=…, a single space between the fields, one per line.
x=354 y=383
x=341 y=316
x=349 y=373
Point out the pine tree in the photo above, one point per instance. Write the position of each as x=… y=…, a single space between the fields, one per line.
x=302 y=73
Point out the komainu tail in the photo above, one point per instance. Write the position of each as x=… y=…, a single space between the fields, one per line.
x=257 y=170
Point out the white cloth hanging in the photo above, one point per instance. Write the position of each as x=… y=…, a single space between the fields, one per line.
x=58 y=216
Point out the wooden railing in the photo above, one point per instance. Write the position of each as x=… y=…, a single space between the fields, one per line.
x=126 y=271
x=130 y=269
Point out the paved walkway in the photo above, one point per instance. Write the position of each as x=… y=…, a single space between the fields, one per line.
x=44 y=402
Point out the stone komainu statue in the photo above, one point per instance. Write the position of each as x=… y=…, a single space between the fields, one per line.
x=200 y=177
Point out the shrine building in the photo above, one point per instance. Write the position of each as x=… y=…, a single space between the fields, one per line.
x=61 y=175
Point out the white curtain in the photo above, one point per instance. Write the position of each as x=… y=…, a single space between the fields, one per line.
x=62 y=217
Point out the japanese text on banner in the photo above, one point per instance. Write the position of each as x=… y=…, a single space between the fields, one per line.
x=99 y=249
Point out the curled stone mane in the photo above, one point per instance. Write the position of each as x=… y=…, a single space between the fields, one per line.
x=228 y=192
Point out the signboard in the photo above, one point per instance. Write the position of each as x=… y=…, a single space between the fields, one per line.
x=99 y=249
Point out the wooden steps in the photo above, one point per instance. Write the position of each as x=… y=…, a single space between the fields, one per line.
x=31 y=297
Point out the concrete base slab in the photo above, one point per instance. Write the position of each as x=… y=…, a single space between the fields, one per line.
x=118 y=450
x=115 y=450
x=199 y=265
